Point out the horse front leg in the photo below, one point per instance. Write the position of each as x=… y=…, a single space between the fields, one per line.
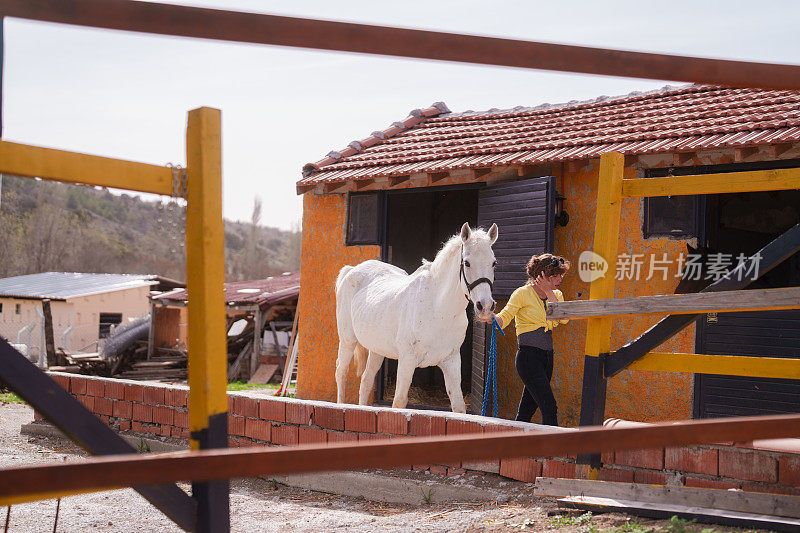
x=405 y=372
x=451 y=368
x=374 y=362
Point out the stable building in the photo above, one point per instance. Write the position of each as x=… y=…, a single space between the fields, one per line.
x=397 y=195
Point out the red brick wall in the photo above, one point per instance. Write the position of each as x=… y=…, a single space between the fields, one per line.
x=257 y=420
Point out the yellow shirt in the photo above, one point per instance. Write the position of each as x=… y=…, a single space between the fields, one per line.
x=528 y=309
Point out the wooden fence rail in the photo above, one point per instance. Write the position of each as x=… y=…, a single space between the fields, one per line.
x=728 y=182
x=328 y=35
x=220 y=464
x=726 y=365
x=680 y=304
x=73 y=167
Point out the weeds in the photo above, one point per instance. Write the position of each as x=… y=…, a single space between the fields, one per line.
x=427 y=497
x=571 y=520
x=243 y=385
x=143 y=446
x=633 y=527
x=678 y=525
x=10 y=397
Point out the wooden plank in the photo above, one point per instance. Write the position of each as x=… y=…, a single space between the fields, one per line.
x=152 y=331
x=49 y=342
x=263 y=374
x=207 y=341
x=72 y=167
x=259 y=319
x=728 y=365
x=664 y=511
x=598 y=330
x=70 y=416
x=327 y=35
x=728 y=182
x=215 y=464
x=680 y=304
x=770 y=256
x=748 y=502
x=236 y=367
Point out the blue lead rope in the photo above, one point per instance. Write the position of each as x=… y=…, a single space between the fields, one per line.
x=491 y=375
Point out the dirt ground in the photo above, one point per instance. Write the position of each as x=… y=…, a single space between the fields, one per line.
x=261 y=505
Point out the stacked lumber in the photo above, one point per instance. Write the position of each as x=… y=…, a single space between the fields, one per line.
x=713 y=506
x=166 y=364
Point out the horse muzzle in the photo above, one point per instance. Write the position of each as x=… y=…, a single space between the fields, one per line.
x=484 y=308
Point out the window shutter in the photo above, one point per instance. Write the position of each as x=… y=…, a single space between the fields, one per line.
x=524 y=212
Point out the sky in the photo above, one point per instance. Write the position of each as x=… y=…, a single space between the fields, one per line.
x=126 y=95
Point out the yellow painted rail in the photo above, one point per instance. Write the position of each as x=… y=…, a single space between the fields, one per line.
x=729 y=182
x=727 y=365
x=73 y=167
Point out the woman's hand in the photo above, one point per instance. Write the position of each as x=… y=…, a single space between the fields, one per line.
x=489 y=319
x=542 y=283
x=546 y=286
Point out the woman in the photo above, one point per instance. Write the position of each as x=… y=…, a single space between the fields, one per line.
x=534 y=359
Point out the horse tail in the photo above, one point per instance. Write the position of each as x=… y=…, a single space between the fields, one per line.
x=361 y=354
x=342 y=273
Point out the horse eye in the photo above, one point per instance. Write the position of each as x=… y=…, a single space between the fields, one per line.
x=466 y=264
x=494 y=264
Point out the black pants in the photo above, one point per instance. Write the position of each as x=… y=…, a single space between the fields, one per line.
x=535 y=367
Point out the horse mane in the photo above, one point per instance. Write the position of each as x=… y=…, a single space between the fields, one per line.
x=451 y=248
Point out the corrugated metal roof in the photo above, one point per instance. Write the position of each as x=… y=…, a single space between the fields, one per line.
x=674 y=119
x=65 y=285
x=261 y=292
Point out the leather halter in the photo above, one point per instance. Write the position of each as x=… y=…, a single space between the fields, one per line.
x=475 y=283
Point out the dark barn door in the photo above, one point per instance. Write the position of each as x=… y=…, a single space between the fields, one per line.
x=764 y=334
x=743 y=223
x=524 y=212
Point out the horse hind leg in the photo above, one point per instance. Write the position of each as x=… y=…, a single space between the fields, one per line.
x=346 y=350
x=373 y=364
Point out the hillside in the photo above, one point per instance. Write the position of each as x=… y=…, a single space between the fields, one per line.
x=48 y=226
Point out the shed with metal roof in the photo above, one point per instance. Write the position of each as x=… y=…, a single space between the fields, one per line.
x=84 y=306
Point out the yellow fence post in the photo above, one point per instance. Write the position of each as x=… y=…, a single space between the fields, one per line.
x=205 y=276
x=598 y=330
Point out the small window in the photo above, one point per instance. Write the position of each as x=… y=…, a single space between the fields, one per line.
x=18 y=309
x=674 y=216
x=1 y=307
x=106 y=321
x=364 y=216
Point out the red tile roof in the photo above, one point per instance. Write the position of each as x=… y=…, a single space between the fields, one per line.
x=674 y=119
x=262 y=292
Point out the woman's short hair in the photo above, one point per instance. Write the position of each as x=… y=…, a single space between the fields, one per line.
x=549 y=264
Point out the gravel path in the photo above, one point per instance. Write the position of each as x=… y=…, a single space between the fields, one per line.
x=260 y=505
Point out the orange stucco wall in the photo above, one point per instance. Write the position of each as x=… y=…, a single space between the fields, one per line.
x=323 y=255
x=643 y=396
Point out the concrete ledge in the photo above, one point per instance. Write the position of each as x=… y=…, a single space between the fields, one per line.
x=45 y=429
x=407 y=490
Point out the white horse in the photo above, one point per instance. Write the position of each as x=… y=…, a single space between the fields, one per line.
x=418 y=319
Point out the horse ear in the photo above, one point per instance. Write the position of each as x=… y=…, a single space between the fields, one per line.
x=493 y=233
x=691 y=249
x=465 y=232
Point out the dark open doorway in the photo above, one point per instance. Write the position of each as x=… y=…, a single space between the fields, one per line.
x=418 y=222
